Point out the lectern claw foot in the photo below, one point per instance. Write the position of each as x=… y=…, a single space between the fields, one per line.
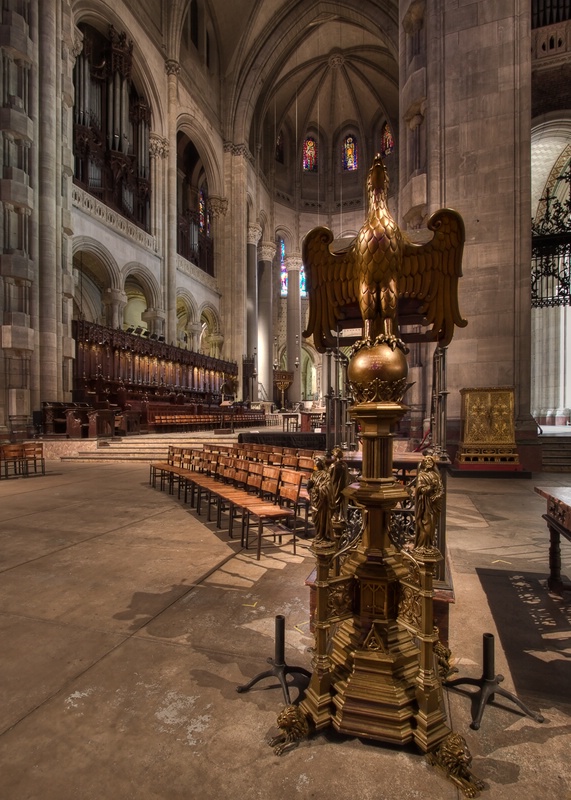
x=294 y=727
x=454 y=760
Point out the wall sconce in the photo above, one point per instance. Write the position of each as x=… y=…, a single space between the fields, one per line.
x=296 y=351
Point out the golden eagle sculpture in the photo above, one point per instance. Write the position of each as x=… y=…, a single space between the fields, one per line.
x=380 y=266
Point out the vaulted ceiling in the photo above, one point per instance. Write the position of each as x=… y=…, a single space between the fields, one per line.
x=296 y=64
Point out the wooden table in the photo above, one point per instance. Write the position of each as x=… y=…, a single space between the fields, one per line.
x=558 y=518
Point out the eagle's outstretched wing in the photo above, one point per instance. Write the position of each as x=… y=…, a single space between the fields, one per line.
x=331 y=285
x=430 y=273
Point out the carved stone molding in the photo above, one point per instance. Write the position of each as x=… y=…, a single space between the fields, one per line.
x=102 y=213
x=198 y=275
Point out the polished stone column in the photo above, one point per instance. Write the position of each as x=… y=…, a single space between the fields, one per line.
x=115 y=301
x=266 y=253
x=254 y=235
x=194 y=329
x=170 y=280
x=49 y=302
x=293 y=334
x=155 y=320
x=158 y=151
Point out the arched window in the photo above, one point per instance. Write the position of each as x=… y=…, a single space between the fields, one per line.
x=283 y=270
x=194 y=236
x=310 y=155
x=280 y=148
x=193 y=22
x=349 y=153
x=283 y=273
x=111 y=126
x=302 y=282
x=387 y=141
x=203 y=214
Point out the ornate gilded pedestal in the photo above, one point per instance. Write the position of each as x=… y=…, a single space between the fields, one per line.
x=367 y=679
x=488 y=430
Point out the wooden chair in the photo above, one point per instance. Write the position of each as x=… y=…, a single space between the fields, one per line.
x=34 y=457
x=306 y=464
x=13 y=460
x=270 y=515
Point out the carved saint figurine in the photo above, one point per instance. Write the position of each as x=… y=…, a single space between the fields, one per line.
x=429 y=494
x=340 y=479
x=321 y=499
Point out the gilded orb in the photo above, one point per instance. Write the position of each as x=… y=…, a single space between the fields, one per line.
x=378 y=373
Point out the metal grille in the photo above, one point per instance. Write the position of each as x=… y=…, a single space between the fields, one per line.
x=551 y=251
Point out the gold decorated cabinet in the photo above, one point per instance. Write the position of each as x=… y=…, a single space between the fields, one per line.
x=488 y=428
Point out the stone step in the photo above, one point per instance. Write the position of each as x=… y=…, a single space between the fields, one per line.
x=556 y=453
x=153 y=447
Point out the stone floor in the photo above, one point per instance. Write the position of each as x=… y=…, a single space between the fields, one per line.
x=126 y=624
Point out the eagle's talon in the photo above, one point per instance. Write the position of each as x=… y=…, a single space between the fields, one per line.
x=366 y=341
x=392 y=341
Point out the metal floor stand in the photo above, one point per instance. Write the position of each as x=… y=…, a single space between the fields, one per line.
x=279 y=668
x=489 y=685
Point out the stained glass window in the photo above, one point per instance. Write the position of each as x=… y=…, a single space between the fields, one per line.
x=387 y=141
x=203 y=214
x=283 y=270
x=310 y=155
x=201 y=210
x=283 y=273
x=349 y=155
x=280 y=148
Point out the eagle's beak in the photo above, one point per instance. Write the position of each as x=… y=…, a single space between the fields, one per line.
x=378 y=175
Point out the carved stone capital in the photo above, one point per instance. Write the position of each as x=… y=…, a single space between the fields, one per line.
x=218 y=206
x=77 y=44
x=254 y=234
x=158 y=146
x=293 y=263
x=172 y=67
x=266 y=251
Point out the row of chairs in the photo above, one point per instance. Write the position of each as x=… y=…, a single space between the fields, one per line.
x=22 y=459
x=247 y=490
x=293 y=458
x=185 y=422
x=182 y=421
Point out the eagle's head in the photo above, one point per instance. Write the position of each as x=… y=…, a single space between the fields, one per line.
x=377 y=181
